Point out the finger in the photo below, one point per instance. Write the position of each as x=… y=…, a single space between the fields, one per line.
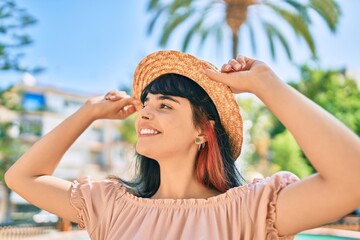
x=115 y=92
x=126 y=111
x=230 y=79
x=110 y=93
x=115 y=95
x=235 y=64
x=131 y=106
x=245 y=62
x=226 y=68
x=122 y=106
x=241 y=60
x=217 y=76
x=124 y=102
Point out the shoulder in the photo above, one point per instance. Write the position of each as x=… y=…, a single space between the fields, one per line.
x=277 y=180
x=261 y=198
x=92 y=198
x=88 y=188
x=263 y=190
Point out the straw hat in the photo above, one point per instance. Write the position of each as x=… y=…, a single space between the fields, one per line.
x=164 y=62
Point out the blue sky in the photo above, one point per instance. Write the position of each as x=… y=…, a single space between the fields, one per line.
x=94 y=46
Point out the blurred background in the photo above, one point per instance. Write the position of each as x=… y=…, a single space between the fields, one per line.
x=56 y=54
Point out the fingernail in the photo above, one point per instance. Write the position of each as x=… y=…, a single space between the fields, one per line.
x=237 y=66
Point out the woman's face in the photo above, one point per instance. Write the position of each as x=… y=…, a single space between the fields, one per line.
x=165 y=127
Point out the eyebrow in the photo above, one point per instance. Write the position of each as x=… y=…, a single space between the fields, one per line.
x=164 y=97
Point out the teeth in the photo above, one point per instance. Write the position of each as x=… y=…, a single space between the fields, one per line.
x=146 y=131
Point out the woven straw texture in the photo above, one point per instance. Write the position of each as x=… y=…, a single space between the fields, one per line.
x=163 y=62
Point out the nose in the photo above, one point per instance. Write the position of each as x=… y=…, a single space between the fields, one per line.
x=146 y=113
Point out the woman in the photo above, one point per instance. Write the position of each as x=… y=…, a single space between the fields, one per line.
x=189 y=134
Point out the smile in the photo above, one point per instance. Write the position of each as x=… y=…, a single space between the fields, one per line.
x=148 y=131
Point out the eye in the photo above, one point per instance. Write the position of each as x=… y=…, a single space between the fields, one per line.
x=164 y=106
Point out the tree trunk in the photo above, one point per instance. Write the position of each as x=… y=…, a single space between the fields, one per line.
x=236 y=14
x=235 y=39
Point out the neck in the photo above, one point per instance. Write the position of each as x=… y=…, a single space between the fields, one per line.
x=178 y=181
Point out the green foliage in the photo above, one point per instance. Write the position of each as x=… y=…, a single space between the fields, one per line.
x=10 y=98
x=256 y=118
x=329 y=10
x=13 y=36
x=10 y=148
x=212 y=18
x=298 y=23
x=286 y=154
x=333 y=91
x=127 y=130
x=264 y=154
x=269 y=147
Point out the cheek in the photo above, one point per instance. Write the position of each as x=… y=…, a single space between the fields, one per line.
x=184 y=130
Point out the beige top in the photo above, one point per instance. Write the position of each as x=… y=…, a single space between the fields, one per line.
x=108 y=212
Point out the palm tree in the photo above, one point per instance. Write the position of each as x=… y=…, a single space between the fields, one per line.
x=206 y=18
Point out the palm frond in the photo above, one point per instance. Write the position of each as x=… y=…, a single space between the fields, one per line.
x=270 y=37
x=296 y=14
x=250 y=27
x=299 y=26
x=190 y=33
x=215 y=29
x=153 y=4
x=172 y=24
x=275 y=32
x=300 y=8
x=329 y=10
x=204 y=35
x=178 y=4
x=204 y=32
x=154 y=20
x=219 y=33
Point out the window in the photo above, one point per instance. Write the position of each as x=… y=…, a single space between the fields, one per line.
x=33 y=102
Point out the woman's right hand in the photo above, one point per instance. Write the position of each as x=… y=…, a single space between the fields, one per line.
x=114 y=105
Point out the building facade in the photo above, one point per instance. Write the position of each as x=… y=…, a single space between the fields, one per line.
x=98 y=152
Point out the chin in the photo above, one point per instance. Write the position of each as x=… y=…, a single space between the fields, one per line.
x=145 y=151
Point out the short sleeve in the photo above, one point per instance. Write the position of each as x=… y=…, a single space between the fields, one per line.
x=90 y=199
x=261 y=202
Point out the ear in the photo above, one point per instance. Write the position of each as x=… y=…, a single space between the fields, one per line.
x=202 y=131
x=200 y=136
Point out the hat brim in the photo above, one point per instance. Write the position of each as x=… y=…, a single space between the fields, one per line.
x=164 y=62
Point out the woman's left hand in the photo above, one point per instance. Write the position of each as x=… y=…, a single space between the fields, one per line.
x=243 y=74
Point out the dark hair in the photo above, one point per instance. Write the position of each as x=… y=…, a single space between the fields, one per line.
x=147 y=180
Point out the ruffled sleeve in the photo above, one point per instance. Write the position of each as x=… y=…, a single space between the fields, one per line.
x=261 y=201
x=91 y=199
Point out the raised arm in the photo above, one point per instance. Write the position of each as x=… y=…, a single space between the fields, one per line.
x=330 y=146
x=31 y=175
